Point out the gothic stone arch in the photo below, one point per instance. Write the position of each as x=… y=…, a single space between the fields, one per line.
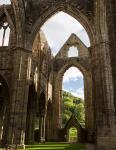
x=58 y=77
x=69 y=9
x=73 y=122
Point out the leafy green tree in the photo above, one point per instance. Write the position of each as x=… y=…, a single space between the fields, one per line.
x=72 y=105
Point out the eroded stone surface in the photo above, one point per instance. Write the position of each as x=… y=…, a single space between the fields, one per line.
x=32 y=77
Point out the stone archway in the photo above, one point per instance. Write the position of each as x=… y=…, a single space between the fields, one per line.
x=67 y=8
x=89 y=107
x=73 y=122
x=4 y=110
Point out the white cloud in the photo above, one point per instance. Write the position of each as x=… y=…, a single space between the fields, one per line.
x=79 y=93
x=73 y=52
x=72 y=74
x=4 y=2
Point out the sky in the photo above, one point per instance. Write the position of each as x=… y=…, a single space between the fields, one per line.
x=73 y=82
x=57 y=30
x=4 y=2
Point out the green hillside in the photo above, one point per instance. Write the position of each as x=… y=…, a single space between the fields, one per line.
x=72 y=105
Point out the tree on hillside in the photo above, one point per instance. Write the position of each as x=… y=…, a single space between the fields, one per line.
x=72 y=105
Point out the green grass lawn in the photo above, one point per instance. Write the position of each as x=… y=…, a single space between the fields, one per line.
x=55 y=146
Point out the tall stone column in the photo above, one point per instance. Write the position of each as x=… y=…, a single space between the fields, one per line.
x=102 y=80
x=56 y=117
x=111 y=17
x=18 y=109
x=103 y=96
x=89 y=108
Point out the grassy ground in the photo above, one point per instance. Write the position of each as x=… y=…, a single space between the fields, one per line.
x=56 y=146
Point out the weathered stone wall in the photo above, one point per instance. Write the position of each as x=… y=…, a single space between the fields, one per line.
x=76 y=42
x=29 y=61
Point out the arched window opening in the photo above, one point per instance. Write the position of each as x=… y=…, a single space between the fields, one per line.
x=2 y=2
x=73 y=52
x=57 y=31
x=72 y=96
x=4 y=34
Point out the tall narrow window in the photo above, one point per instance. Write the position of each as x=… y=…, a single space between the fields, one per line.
x=72 y=96
x=4 y=34
x=73 y=52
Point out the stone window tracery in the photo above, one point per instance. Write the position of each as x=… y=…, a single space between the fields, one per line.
x=4 y=34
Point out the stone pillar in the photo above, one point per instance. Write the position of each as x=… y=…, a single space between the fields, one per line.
x=111 y=17
x=89 y=108
x=103 y=97
x=18 y=109
x=16 y=133
x=102 y=80
x=56 y=118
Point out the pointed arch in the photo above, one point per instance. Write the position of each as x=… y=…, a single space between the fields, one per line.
x=77 y=14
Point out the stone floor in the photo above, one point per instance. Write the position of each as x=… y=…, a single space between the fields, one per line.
x=90 y=147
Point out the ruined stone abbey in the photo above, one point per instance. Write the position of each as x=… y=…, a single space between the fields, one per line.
x=31 y=77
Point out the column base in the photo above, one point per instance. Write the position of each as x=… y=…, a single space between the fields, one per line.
x=106 y=143
x=90 y=146
x=42 y=140
x=15 y=147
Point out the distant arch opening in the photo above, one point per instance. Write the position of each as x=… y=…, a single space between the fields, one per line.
x=73 y=135
x=4 y=34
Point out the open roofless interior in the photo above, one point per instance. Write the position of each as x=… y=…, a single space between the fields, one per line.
x=57 y=74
